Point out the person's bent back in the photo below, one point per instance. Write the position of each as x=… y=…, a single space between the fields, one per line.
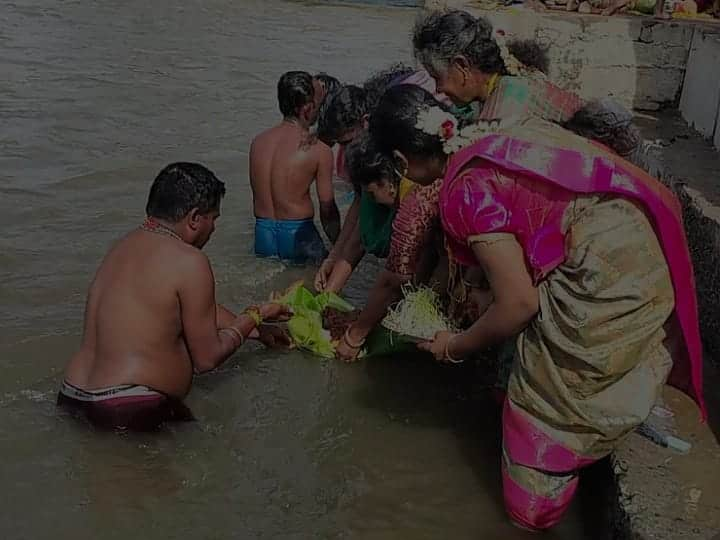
x=151 y=319
x=284 y=162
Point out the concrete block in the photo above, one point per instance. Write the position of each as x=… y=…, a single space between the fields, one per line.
x=666 y=33
x=659 y=54
x=654 y=85
x=701 y=91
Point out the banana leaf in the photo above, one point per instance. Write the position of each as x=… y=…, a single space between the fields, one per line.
x=305 y=325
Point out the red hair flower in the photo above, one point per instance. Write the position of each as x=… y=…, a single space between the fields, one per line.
x=447 y=130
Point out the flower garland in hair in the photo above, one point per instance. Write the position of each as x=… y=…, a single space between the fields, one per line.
x=512 y=64
x=435 y=121
x=442 y=124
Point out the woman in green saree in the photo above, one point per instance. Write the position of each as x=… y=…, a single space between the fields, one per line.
x=399 y=222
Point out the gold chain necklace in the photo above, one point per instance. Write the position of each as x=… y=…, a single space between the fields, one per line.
x=151 y=225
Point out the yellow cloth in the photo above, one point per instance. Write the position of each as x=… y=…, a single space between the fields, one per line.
x=406 y=186
x=492 y=84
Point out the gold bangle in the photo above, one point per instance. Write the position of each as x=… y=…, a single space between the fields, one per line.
x=236 y=335
x=448 y=357
x=348 y=341
x=254 y=313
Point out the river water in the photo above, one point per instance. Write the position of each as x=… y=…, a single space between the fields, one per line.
x=96 y=97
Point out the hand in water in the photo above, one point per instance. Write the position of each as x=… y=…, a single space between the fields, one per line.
x=323 y=274
x=275 y=312
x=273 y=337
x=345 y=352
x=439 y=347
x=333 y=275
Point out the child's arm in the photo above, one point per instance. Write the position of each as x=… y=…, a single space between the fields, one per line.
x=329 y=213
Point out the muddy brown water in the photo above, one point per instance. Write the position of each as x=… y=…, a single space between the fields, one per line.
x=95 y=98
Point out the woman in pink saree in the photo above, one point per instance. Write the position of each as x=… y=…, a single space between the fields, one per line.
x=588 y=264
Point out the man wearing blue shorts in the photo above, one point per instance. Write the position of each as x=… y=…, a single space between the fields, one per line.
x=284 y=162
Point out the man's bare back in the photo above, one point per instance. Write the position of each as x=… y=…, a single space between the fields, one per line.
x=151 y=318
x=283 y=166
x=133 y=328
x=284 y=162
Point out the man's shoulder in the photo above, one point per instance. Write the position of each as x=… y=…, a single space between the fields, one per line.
x=163 y=265
x=172 y=258
x=265 y=137
x=320 y=150
x=191 y=259
x=190 y=267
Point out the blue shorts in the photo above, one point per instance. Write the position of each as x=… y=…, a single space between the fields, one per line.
x=294 y=240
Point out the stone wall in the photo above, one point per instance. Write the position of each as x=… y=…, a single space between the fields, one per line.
x=639 y=61
x=700 y=101
x=691 y=167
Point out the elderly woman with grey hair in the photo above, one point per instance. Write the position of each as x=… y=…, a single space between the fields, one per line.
x=470 y=62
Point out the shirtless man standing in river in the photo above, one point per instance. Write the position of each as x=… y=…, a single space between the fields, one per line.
x=151 y=319
x=284 y=162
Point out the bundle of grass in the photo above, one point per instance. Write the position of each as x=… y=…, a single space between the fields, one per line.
x=418 y=315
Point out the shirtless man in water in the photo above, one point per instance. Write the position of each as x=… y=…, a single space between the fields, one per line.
x=284 y=162
x=151 y=319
